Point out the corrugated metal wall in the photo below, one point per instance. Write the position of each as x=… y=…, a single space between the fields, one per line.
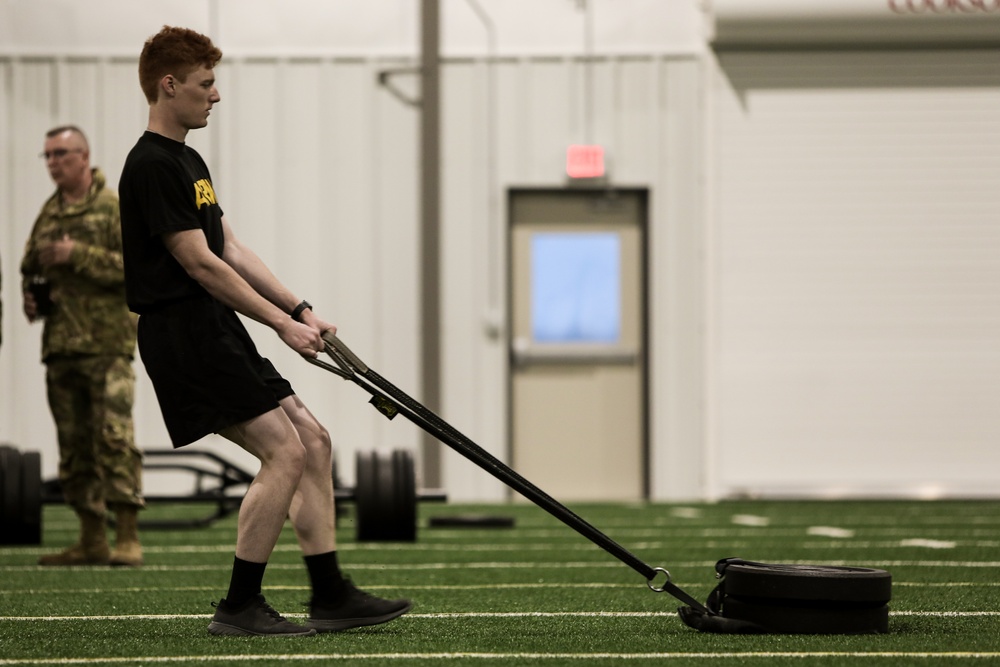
x=316 y=165
x=857 y=264
x=842 y=337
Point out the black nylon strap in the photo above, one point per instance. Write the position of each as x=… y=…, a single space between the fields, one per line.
x=684 y=596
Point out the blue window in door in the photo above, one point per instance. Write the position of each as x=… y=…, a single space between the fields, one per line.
x=575 y=287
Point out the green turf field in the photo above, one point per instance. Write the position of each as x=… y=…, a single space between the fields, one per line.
x=535 y=594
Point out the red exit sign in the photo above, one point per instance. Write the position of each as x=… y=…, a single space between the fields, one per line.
x=585 y=161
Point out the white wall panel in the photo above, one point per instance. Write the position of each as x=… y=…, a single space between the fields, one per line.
x=317 y=168
x=470 y=251
x=348 y=280
x=322 y=164
x=678 y=299
x=550 y=117
x=9 y=256
x=394 y=292
x=858 y=283
x=44 y=27
x=356 y=28
x=634 y=95
x=122 y=115
x=30 y=110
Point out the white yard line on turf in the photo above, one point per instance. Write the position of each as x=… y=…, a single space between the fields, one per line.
x=459 y=615
x=905 y=544
x=444 y=587
x=830 y=531
x=750 y=520
x=744 y=526
x=489 y=565
x=305 y=587
x=520 y=658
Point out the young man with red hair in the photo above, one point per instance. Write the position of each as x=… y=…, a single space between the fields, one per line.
x=187 y=276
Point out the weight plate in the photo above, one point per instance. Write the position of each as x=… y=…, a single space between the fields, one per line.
x=807 y=582
x=405 y=498
x=385 y=496
x=340 y=495
x=10 y=495
x=31 y=498
x=385 y=483
x=798 y=619
x=365 y=495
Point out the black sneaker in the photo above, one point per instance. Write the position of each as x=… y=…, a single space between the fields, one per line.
x=255 y=618
x=355 y=609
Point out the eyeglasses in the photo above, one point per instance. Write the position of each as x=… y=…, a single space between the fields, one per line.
x=59 y=153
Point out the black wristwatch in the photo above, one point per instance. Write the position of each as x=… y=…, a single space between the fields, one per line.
x=297 y=313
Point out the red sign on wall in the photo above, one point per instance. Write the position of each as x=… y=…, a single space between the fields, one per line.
x=584 y=161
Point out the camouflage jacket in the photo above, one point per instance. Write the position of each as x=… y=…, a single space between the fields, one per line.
x=89 y=315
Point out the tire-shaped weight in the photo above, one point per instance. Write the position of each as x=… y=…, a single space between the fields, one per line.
x=31 y=498
x=815 y=620
x=808 y=582
x=807 y=599
x=385 y=497
x=10 y=495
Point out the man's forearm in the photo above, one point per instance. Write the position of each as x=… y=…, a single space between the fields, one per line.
x=227 y=285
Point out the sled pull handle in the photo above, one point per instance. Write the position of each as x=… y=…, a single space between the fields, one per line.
x=352 y=367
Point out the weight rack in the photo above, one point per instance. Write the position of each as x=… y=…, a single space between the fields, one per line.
x=385 y=495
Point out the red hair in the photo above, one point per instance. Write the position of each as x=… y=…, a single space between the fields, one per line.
x=176 y=51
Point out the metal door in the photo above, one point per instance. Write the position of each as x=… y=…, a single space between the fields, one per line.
x=578 y=376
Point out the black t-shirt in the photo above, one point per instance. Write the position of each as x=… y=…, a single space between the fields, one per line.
x=165 y=187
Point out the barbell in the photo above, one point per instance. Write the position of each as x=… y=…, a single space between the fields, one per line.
x=385 y=494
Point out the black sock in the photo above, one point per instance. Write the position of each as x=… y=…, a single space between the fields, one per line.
x=245 y=583
x=325 y=577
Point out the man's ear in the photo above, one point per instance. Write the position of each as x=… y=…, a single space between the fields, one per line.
x=167 y=85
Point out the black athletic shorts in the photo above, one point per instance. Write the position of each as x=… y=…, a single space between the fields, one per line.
x=205 y=369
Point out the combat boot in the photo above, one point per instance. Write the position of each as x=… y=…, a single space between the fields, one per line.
x=127 y=551
x=91 y=549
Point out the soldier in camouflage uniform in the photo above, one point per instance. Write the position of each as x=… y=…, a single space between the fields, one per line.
x=73 y=278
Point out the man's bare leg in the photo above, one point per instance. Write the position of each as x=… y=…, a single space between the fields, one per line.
x=336 y=603
x=312 y=511
x=273 y=440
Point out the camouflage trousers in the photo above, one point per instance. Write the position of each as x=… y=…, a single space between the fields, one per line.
x=91 y=402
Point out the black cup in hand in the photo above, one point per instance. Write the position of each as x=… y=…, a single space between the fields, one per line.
x=42 y=293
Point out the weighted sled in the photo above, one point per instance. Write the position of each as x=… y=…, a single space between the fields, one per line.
x=795 y=599
x=782 y=610
x=747 y=579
